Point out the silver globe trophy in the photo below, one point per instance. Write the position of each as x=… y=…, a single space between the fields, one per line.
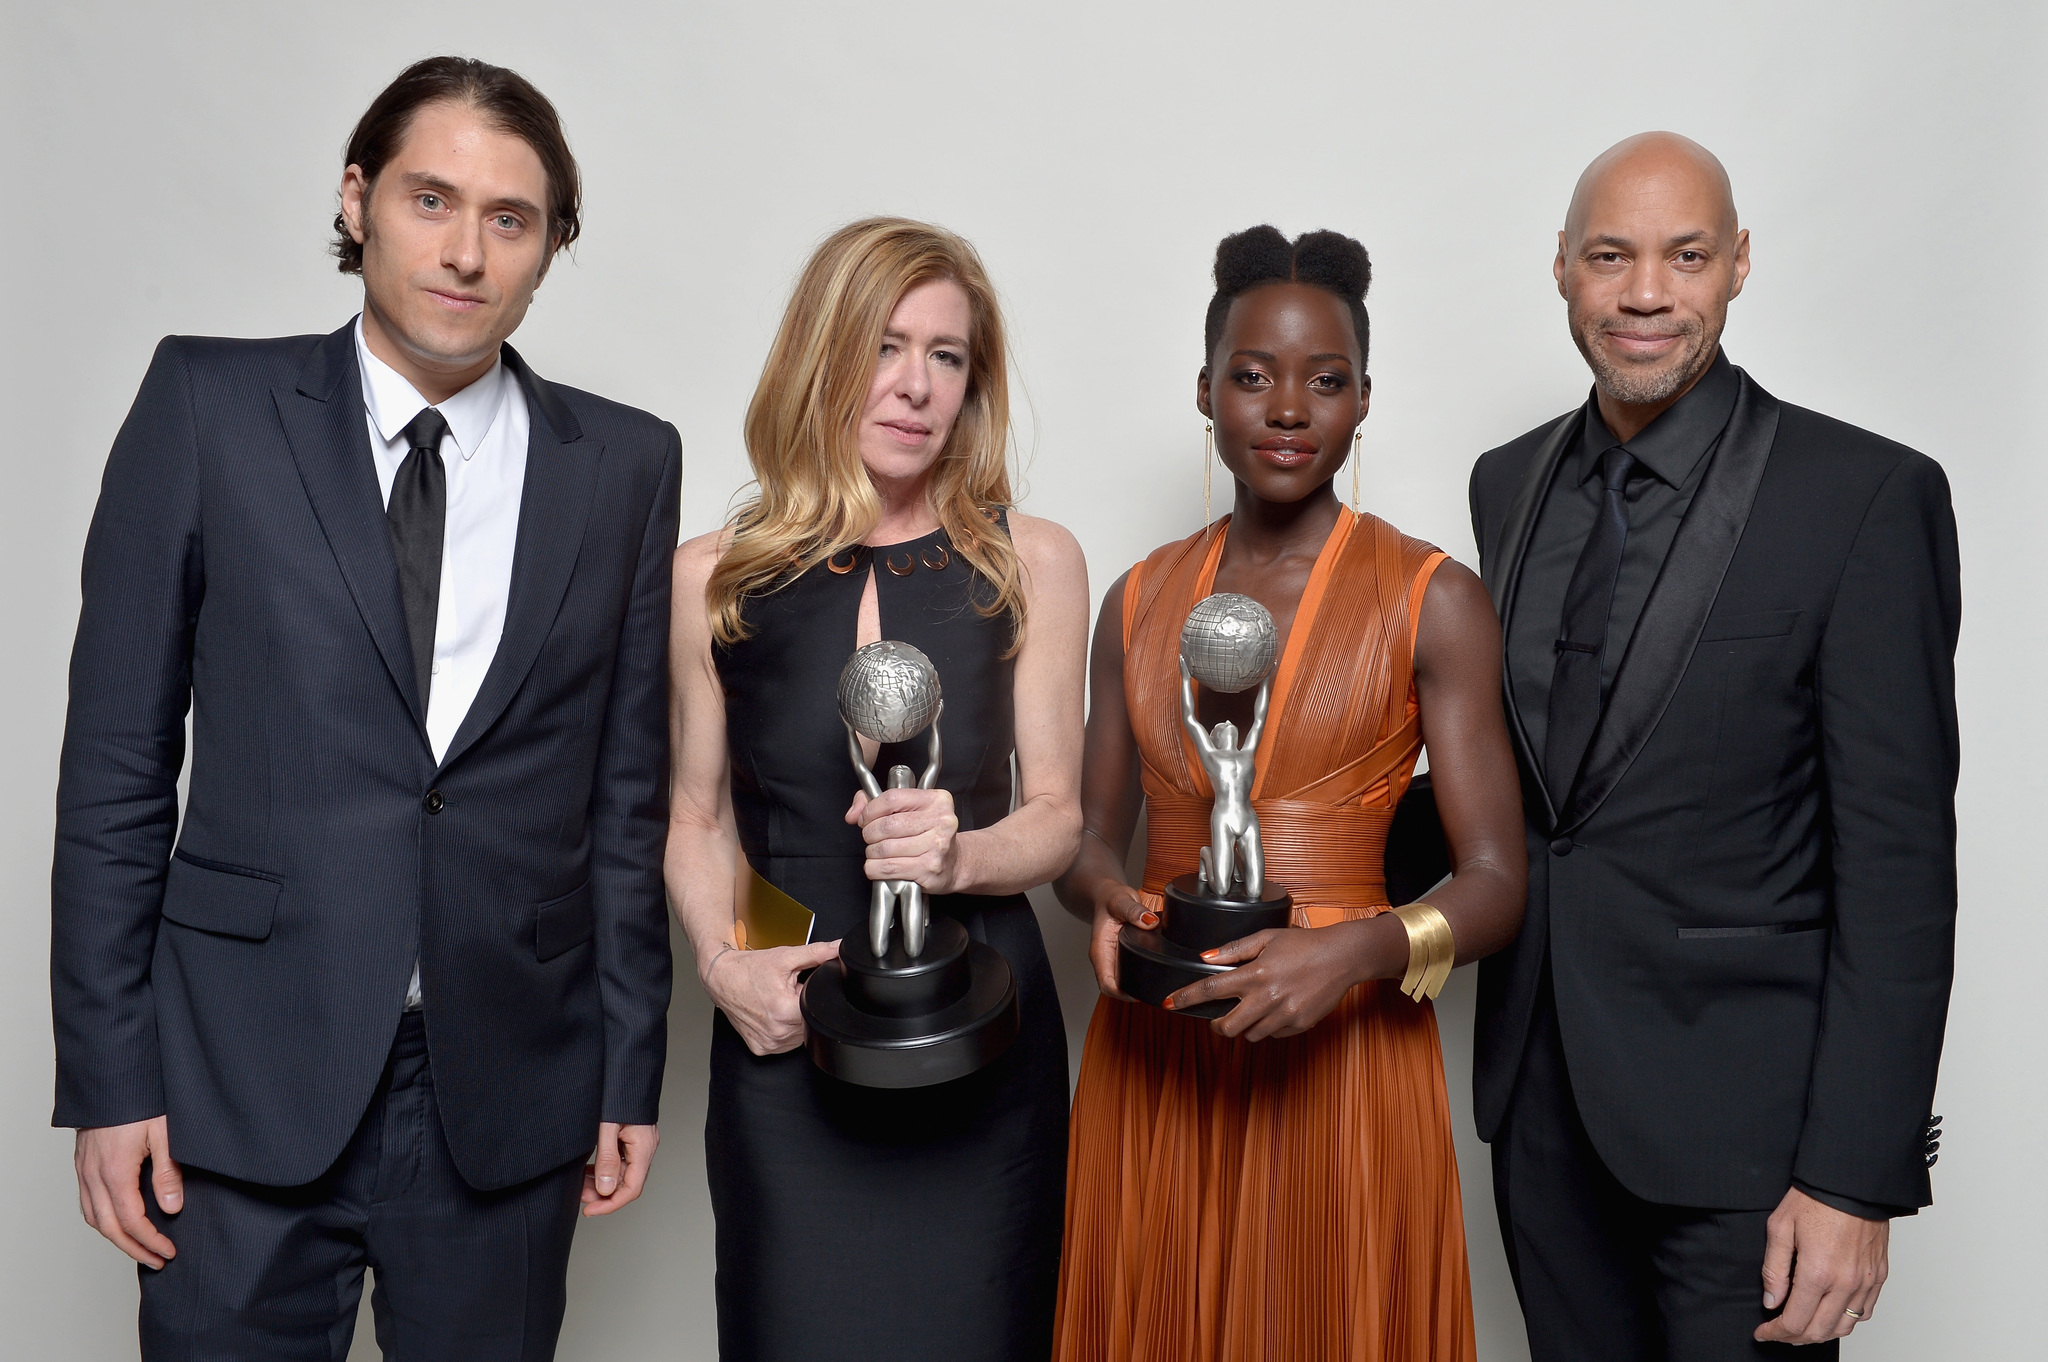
x=887 y=693
x=917 y=1002
x=1228 y=645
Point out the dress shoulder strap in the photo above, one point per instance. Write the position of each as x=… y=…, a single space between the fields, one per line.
x=1349 y=712
x=1435 y=559
x=1157 y=597
x=1134 y=585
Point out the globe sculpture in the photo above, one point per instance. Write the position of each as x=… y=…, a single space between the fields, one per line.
x=1228 y=641
x=890 y=691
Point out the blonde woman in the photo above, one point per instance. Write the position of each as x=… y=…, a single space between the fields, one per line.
x=853 y=1221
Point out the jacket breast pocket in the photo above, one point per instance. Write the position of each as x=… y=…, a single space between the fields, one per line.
x=216 y=897
x=564 y=923
x=1730 y=628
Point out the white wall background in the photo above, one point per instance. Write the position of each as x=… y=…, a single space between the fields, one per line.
x=171 y=168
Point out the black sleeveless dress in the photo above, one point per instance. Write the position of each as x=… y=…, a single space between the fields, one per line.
x=858 y=1223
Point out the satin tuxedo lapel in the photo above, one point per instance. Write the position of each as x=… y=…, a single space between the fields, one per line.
x=1676 y=612
x=330 y=441
x=554 y=508
x=1515 y=533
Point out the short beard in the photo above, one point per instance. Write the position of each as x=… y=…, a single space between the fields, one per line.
x=1639 y=386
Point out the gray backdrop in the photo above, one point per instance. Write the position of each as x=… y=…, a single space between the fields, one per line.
x=171 y=168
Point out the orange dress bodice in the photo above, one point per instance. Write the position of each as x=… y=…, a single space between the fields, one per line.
x=1343 y=729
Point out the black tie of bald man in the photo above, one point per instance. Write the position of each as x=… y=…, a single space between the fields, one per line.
x=418 y=515
x=1582 y=633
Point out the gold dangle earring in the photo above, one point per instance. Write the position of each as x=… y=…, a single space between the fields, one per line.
x=1208 y=457
x=1357 y=448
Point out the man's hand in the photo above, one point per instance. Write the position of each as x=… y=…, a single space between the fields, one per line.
x=109 y=1162
x=618 y=1169
x=1821 y=1264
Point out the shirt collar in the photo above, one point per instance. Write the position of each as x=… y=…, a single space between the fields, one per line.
x=392 y=401
x=1671 y=446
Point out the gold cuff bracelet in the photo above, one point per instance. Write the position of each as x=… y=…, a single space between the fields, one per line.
x=1431 y=950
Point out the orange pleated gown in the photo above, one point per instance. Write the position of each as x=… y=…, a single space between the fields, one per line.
x=1290 y=1199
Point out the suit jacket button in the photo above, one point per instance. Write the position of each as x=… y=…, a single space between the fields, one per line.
x=1561 y=847
x=434 y=802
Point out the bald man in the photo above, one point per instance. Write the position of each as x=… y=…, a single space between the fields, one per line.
x=1706 y=1065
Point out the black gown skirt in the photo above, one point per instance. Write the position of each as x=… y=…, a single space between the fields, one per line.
x=858 y=1223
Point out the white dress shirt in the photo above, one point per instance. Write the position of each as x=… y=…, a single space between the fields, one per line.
x=484 y=453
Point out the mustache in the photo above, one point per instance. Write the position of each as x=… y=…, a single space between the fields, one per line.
x=1673 y=326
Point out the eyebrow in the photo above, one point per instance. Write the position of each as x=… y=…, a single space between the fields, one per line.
x=421 y=180
x=1271 y=358
x=956 y=342
x=1684 y=239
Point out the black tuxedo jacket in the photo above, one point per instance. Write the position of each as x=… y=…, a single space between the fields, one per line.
x=1748 y=899
x=250 y=982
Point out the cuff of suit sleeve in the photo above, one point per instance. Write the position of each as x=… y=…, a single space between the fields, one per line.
x=1849 y=1205
x=632 y=1100
x=117 y=1093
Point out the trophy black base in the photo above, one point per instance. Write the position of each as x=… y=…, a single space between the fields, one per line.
x=1152 y=964
x=896 y=1022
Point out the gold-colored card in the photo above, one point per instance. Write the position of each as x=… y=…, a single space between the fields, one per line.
x=764 y=916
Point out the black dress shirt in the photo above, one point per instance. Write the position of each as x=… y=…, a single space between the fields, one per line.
x=1672 y=454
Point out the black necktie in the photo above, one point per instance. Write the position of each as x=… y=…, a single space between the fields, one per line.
x=1582 y=632
x=418 y=514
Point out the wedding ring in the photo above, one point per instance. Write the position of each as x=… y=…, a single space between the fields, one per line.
x=1853 y=1314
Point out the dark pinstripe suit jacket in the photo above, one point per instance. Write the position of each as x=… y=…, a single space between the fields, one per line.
x=249 y=982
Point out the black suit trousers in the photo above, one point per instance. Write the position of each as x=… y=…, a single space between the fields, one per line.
x=276 y=1273
x=1603 y=1275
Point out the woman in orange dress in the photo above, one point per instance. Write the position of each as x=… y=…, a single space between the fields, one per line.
x=1280 y=1183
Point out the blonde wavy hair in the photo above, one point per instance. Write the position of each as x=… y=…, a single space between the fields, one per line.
x=814 y=497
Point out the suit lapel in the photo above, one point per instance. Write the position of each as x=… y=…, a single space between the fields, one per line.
x=554 y=507
x=1513 y=546
x=324 y=424
x=1676 y=612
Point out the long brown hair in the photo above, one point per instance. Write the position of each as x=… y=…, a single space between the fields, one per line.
x=814 y=496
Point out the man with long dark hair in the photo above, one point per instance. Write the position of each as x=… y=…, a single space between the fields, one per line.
x=404 y=964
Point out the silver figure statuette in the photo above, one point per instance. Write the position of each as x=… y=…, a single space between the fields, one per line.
x=1228 y=645
x=887 y=693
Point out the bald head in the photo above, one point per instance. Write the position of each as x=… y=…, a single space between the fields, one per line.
x=1653 y=166
x=1649 y=258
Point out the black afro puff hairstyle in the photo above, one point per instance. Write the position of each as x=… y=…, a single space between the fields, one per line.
x=1261 y=255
